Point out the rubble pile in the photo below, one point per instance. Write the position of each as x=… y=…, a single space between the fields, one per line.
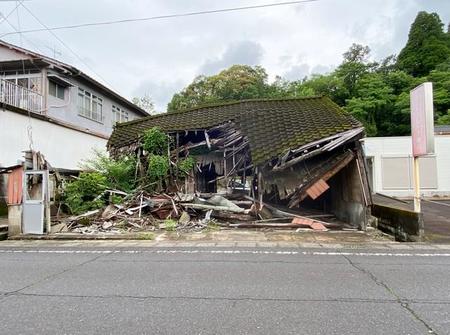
x=180 y=212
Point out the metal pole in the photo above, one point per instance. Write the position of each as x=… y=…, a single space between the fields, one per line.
x=46 y=190
x=416 y=185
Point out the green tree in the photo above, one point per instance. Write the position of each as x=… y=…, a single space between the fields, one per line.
x=373 y=98
x=376 y=93
x=354 y=66
x=441 y=95
x=331 y=85
x=235 y=83
x=428 y=45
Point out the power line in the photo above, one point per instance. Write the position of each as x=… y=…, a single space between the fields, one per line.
x=161 y=17
x=4 y=18
x=64 y=44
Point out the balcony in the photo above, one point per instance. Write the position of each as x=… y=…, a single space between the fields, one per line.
x=20 y=97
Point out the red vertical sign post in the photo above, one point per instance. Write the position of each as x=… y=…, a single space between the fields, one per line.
x=422 y=131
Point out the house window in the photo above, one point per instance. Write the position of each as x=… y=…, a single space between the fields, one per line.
x=119 y=115
x=90 y=105
x=55 y=90
x=30 y=83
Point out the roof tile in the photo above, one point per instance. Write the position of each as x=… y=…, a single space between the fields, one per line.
x=272 y=126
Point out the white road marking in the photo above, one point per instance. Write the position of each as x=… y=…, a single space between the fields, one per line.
x=226 y=252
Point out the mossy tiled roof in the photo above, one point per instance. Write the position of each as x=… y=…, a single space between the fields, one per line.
x=272 y=126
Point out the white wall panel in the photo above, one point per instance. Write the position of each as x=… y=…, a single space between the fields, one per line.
x=62 y=147
x=435 y=169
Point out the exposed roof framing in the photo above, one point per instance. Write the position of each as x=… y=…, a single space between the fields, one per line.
x=272 y=127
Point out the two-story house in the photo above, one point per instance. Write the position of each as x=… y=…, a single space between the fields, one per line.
x=36 y=87
x=54 y=108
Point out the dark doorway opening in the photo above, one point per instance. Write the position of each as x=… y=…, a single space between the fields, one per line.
x=205 y=180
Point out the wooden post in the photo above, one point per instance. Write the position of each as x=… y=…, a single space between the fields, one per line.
x=260 y=190
x=177 y=154
x=225 y=172
x=416 y=185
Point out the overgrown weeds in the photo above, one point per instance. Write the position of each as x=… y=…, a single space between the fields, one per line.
x=85 y=193
x=122 y=173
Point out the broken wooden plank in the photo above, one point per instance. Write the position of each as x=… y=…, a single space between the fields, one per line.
x=267 y=225
x=225 y=215
x=208 y=143
x=276 y=211
x=215 y=208
x=313 y=224
x=84 y=215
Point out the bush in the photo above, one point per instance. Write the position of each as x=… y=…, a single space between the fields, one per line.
x=186 y=165
x=119 y=173
x=158 y=168
x=155 y=142
x=85 y=193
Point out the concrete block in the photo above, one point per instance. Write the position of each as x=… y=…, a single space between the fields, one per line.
x=14 y=220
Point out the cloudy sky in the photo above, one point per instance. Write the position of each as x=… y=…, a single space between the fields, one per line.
x=160 y=57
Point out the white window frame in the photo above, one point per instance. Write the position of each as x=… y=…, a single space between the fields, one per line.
x=28 y=76
x=119 y=115
x=86 y=103
x=57 y=86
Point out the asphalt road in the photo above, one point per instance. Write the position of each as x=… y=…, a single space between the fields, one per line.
x=215 y=291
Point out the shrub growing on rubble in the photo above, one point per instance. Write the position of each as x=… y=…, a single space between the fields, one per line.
x=155 y=141
x=158 y=168
x=85 y=193
x=119 y=172
x=186 y=165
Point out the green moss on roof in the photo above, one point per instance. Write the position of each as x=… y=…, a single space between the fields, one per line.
x=272 y=126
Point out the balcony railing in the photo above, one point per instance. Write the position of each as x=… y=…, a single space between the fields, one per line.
x=21 y=97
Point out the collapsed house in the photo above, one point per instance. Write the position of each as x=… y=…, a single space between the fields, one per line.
x=301 y=155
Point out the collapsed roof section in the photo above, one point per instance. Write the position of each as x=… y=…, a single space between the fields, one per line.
x=286 y=151
x=272 y=127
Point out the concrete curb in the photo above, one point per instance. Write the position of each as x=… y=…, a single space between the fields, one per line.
x=135 y=244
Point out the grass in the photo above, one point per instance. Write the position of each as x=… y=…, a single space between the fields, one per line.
x=212 y=226
x=146 y=236
x=170 y=225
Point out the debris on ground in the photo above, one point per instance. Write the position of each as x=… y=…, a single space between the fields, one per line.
x=178 y=212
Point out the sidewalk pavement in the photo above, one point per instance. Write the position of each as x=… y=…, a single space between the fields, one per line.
x=238 y=239
x=436 y=215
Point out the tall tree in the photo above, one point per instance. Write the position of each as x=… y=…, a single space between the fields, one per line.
x=354 y=66
x=235 y=83
x=375 y=93
x=428 y=45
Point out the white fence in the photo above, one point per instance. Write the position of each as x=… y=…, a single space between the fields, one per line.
x=18 y=96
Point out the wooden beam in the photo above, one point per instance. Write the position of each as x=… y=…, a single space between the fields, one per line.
x=208 y=143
